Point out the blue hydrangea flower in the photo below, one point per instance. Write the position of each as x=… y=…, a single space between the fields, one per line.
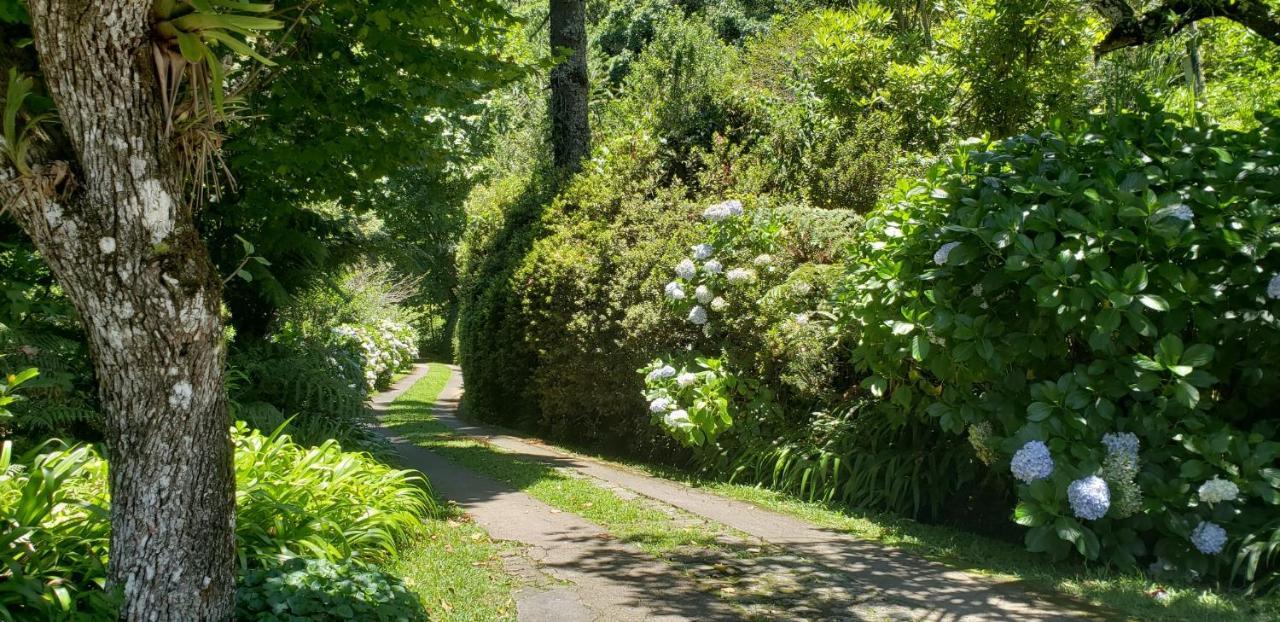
x=666 y=371
x=674 y=291
x=703 y=294
x=660 y=405
x=1209 y=538
x=1090 y=498
x=698 y=315
x=1273 y=288
x=1032 y=462
x=1126 y=443
x=713 y=267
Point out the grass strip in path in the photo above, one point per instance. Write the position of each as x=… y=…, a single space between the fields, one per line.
x=1130 y=594
x=655 y=531
x=453 y=567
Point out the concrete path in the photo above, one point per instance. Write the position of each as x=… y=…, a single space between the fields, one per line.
x=595 y=578
x=612 y=580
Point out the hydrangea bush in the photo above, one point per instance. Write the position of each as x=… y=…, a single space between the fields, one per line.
x=372 y=352
x=696 y=403
x=1097 y=310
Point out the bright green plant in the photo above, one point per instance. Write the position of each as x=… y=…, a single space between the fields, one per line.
x=1076 y=288
x=315 y=590
x=53 y=534
x=320 y=502
x=19 y=132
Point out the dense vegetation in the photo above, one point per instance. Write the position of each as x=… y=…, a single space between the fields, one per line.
x=787 y=256
x=1010 y=265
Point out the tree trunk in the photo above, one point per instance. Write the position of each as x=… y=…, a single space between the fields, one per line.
x=570 y=89
x=122 y=244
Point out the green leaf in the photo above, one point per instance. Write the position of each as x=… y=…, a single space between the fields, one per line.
x=920 y=347
x=1154 y=302
x=1197 y=355
x=1186 y=394
x=1039 y=411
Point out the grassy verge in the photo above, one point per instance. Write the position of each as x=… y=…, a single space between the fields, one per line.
x=453 y=566
x=1132 y=595
x=655 y=531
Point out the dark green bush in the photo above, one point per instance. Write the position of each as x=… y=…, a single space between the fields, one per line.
x=314 y=590
x=1118 y=278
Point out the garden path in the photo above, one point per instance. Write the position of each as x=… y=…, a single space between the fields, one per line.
x=594 y=577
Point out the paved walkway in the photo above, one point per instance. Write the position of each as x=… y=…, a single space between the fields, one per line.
x=612 y=581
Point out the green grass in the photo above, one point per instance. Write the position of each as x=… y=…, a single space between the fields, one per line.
x=653 y=530
x=453 y=566
x=1127 y=594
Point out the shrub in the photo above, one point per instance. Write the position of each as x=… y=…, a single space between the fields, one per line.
x=312 y=590
x=320 y=502
x=292 y=501
x=1110 y=291
x=55 y=530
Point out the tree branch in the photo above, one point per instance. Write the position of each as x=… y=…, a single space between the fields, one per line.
x=1171 y=17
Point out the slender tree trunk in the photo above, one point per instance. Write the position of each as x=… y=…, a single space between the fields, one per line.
x=1192 y=67
x=570 y=89
x=122 y=244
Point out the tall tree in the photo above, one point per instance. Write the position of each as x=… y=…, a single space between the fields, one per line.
x=107 y=210
x=570 y=89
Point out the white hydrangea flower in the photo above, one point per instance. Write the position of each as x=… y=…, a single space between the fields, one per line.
x=686 y=379
x=716 y=213
x=943 y=253
x=1273 y=288
x=762 y=260
x=702 y=251
x=660 y=405
x=719 y=304
x=733 y=206
x=713 y=267
x=675 y=291
x=703 y=294
x=1218 y=490
x=698 y=315
x=678 y=420
x=740 y=275
x=686 y=270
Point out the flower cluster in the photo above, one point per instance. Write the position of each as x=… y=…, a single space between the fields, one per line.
x=1209 y=538
x=704 y=270
x=721 y=211
x=1090 y=497
x=1273 y=288
x=684 y=401
x=378 y=350
x=1032 y=462
x=1218 y=490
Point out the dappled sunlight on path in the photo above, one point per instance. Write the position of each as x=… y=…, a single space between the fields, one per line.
x=613 y=580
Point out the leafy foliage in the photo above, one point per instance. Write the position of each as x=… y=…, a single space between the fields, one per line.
x=321 y=503
x=314 y=590
x=1112 y=278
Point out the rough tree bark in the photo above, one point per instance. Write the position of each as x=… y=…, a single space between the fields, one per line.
x=1170 y=17
x=570 y=89
x=120 y=240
